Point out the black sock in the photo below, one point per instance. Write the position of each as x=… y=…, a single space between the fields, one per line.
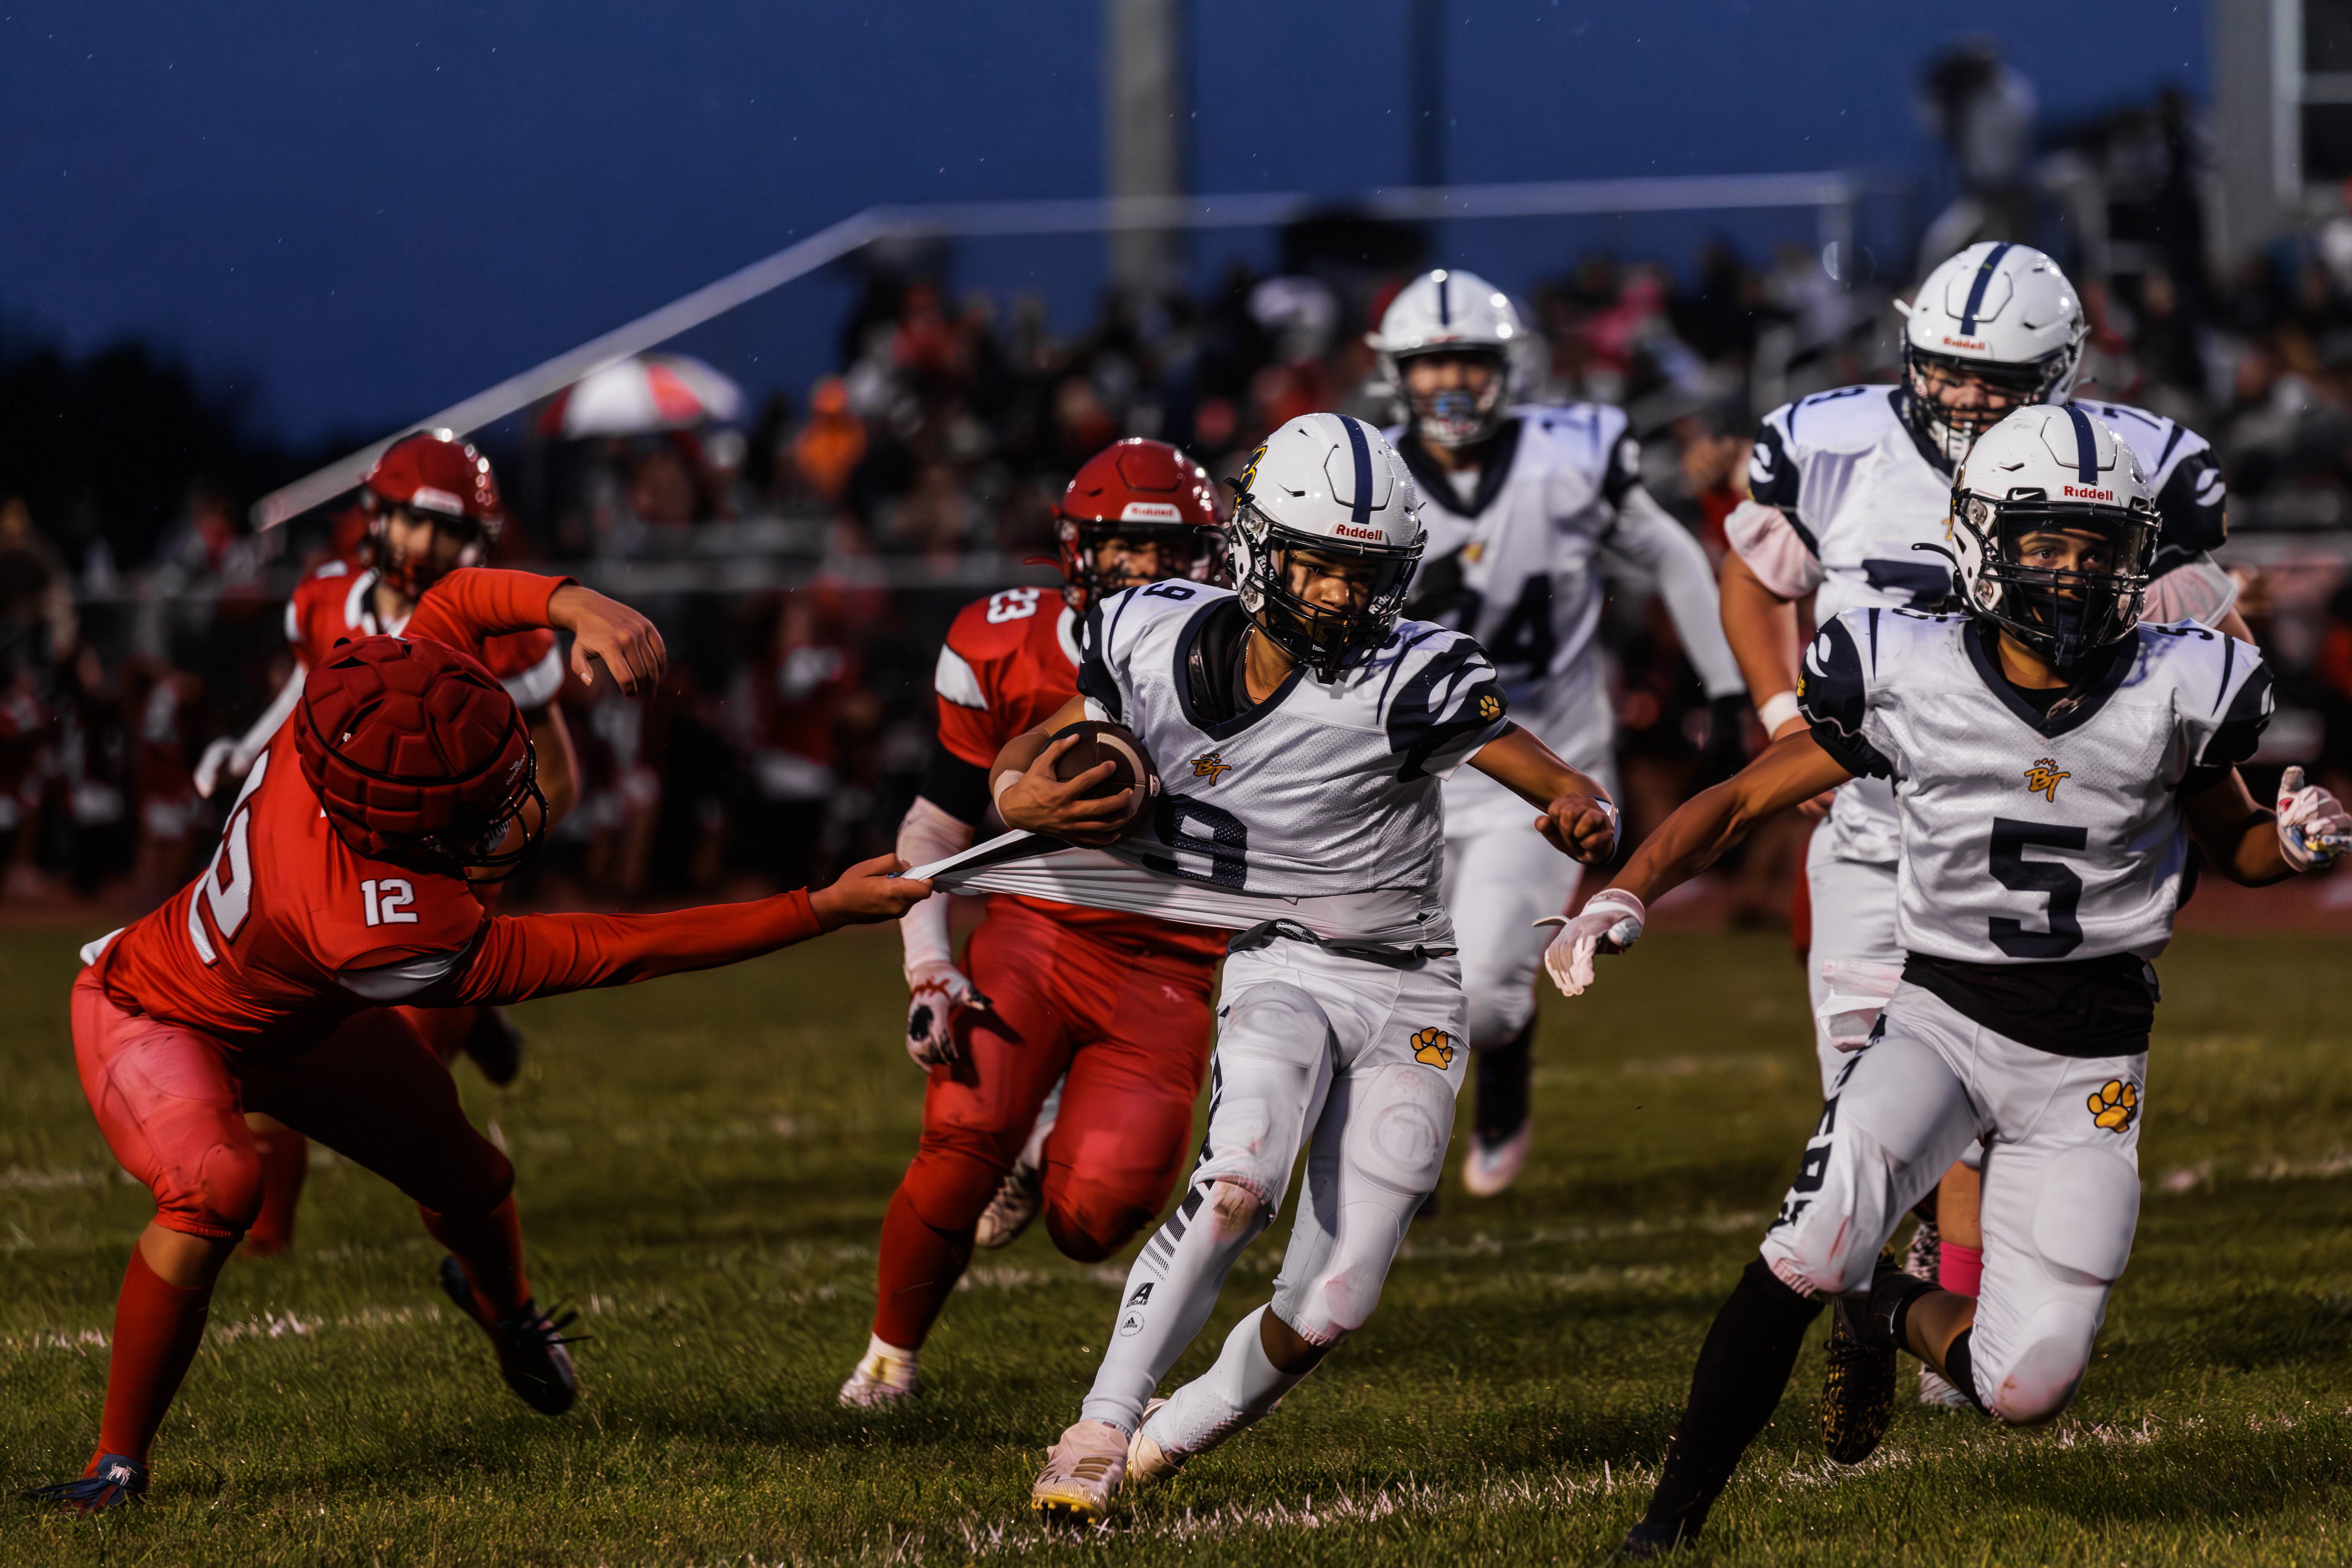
x=1503 y=1078
x=1742 y=1370
x=1960 y=1366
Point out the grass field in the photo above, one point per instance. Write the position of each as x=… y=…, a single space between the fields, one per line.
x=705 y=1162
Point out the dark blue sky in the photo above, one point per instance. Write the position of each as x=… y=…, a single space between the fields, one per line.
x=359 y=214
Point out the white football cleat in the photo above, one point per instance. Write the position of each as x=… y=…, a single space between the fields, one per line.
x=1936 y=1393
x=1146 y=1460
x=1018 y=1198
x=1083 y=1472
x=1490 y=1168
x=885 y=1377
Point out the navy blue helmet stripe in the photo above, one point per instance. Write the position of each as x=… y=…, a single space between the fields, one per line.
x=1363 y=454
x=1444 y=303
x=1976 y=288
x=2087 y=446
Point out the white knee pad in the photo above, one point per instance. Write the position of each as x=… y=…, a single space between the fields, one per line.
x=2040 y=1381
x=1390 y=1156
x=1272 y=1042
x=2086 y=1216
x=1498 y=1011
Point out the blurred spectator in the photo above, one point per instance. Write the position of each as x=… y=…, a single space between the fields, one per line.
x=799 y=711
x=1982 y=109
x=830 y=446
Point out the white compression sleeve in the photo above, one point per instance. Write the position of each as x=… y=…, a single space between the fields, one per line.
x=927 y=833
x=256 y=741
x=1648 y=534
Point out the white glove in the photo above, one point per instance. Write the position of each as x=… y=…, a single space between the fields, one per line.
x=217 y=757
x=936 y=992
x=1611 y=922
x=2313 y=828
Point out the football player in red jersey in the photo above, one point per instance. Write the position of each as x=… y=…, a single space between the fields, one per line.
x=434 y=512
x=1118 y=1002
x=345 y=880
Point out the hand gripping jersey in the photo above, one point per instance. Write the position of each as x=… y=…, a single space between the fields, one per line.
x=288 y=931
x=1859 y=491
x=2025 y=839
x=1009 y=663
x=469 y=608
x=1516 y=564
x=1319 y=790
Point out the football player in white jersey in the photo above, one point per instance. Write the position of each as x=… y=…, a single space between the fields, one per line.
x=1303 y=731
x=1850 y=497
x=1525 y=507
x=2051 y=756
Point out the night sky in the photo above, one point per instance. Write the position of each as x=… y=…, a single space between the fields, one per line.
x=356 y=216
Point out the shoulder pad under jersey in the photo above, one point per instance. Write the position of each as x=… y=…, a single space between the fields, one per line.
x=1846 y=419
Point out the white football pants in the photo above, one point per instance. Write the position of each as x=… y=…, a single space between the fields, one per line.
x=1499 y=880
x=1358 y=1065
x=2061 y=1188
x=1853 y=935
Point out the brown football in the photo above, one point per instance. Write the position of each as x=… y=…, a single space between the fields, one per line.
x=1131 y=767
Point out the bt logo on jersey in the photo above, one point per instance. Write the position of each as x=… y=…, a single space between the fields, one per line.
x=1432 y=1048
x=2042 y=778
x=1211 y=767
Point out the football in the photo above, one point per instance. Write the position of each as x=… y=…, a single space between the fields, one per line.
x=1131 y=767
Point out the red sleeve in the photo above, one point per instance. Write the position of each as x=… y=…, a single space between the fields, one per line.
x=478 y=602
x=523 y=957
x=978 y=677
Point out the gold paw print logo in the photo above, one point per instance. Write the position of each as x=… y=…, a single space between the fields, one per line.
x=2042 y=778
x=1490 y=706
x=1432 y=1048
x=2115 y=1104
x=1211 y=767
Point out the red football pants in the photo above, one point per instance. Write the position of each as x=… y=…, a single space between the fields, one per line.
x=171 y=1101
x=1132 y=1030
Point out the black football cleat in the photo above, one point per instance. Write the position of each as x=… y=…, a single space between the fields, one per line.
x=111 y=1479
x=531 y=1345
x=1646 y=1540
x=495 y=1046
x=1857 y=1391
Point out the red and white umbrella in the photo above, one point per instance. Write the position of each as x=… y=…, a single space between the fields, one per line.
x=641 y=394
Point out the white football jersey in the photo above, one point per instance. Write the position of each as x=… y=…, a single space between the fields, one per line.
x=1320 y=789
x=2025 y=837
x=1518 y=563
x=1862 y=491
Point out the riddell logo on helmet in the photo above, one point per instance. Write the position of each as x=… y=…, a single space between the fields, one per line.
x=1349 y=531
x=1150 y=512
x=2085 y=492
x=1977 y=343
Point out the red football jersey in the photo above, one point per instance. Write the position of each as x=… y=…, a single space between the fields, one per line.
x=1010 y=662
x=338 y=601
x=290 y=931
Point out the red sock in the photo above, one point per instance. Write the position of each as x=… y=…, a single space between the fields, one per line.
x=490 y=1247
x=1960 y=1269
x=921 y=1265
x=285 y=1163
x=157 y=1327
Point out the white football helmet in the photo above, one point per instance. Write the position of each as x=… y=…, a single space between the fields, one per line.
x=1333 y=485
x=1999 y=311
x=1451 y=311
x=2053 y=531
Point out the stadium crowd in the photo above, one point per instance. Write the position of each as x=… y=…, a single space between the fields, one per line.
x=788 y=738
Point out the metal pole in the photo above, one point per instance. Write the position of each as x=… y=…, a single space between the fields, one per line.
x=1144 y=128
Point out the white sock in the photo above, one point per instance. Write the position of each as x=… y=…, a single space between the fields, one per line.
x=1169 y=1294
x=1241 y=1388
x=887 y=1363
x=1033 y=1153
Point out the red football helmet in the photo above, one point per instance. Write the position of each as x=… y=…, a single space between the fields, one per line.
x=1139 y=490
x=439 y=477
x=418 y=756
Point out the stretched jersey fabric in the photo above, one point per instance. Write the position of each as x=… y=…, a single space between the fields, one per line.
x=498 y=616
x=2027 y=837
x=1011 y=662
x=1322 y=789
x=287 y=931
x=1515 y=560
x=1860 y=492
